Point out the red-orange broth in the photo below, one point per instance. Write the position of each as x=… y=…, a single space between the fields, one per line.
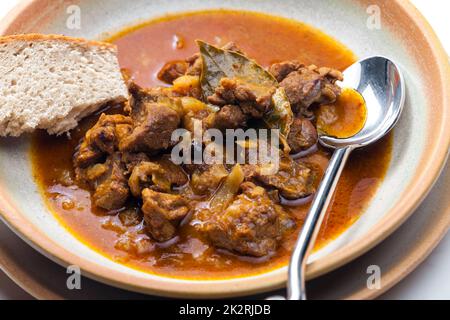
x=144 y=50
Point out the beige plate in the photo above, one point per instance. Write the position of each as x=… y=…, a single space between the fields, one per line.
x=421 y=139
x=397 y=256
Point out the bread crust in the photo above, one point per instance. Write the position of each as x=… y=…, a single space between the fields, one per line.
x=56 y=37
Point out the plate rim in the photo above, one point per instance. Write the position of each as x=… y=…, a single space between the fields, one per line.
x=273 y=279
x=394 y=275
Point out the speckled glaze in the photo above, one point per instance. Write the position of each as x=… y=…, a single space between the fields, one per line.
x=421 y=140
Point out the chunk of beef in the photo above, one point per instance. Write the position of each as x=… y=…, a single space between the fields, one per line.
x=282 y=69
x=172 y=70
x=293 y=180
x=89 y=176
x=205 y=179
x=170 y=172
x=141 y=97
x=229 y=117
x=311 y=85
x=160 y=175
x=102 y=139
x=194 y=65
x=155 y=114
x=302 y=135
x=142 y=177
x=109 y=183
x=163 y=213
x=135 y=244
x=251 y=225
x=253 y=100
x=152 y=129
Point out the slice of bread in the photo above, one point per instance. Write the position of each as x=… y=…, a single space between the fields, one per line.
x=50 y=82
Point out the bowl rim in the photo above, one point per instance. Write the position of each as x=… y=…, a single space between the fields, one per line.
x=415 y=192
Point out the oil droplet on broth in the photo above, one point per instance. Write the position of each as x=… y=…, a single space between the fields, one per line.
x=344 y=118
x=178 y=42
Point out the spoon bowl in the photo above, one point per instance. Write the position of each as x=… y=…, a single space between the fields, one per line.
x=381 y=84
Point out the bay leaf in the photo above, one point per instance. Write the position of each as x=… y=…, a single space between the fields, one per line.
x=219 y=63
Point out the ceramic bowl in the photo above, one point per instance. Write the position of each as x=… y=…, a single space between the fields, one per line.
x=421 y=139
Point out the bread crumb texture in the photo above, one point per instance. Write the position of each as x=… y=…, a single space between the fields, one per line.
x=51 y=82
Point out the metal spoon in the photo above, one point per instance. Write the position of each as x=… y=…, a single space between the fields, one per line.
x=381 y=84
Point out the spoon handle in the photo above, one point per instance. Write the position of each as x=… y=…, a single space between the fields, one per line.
x=311 y=227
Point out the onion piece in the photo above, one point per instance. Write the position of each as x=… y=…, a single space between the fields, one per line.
x=296 y=202
x=168 y=243
x=228 y=189
x=305 y=153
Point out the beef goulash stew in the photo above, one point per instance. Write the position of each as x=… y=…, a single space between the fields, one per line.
x=114 y=184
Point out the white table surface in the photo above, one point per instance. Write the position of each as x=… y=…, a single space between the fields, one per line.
x=430 y=280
